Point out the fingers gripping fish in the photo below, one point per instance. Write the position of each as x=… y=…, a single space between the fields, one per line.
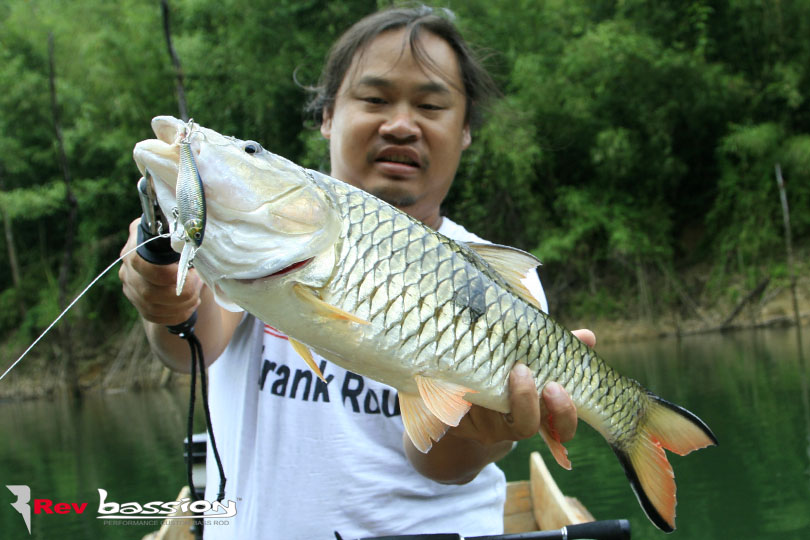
x=379 y=293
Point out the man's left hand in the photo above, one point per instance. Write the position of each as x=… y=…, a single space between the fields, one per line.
x=556 y=412
x=484 y=436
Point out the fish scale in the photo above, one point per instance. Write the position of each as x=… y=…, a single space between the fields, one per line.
x=440 y=307
x=465 y=322
x=383 y=295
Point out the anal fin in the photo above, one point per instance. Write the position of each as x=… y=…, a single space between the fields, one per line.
x=421 y=425
x=444 y=399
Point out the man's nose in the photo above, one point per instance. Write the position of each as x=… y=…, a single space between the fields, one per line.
x=400 y=126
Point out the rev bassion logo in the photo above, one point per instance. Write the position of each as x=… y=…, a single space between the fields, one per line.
x=160 y=509
x=23 y=494
x=134 y=511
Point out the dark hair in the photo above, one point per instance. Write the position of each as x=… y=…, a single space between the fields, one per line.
x=478 y=89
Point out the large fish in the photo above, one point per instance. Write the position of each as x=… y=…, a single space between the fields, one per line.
x=379 y=293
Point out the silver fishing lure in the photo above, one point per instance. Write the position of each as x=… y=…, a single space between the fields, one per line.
x=190 y=214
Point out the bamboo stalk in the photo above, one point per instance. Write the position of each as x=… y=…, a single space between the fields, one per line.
x=788 y=246
x=71 y=373
x=10 y=244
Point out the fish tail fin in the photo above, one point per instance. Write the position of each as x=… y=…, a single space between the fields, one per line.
x=664 y=426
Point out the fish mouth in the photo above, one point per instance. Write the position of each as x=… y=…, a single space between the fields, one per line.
x=159 y=157
x=162 y=154
x=168 y=128
x=286 y=270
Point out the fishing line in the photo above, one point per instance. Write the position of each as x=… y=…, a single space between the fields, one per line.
x=185 y=331
x=116 y=261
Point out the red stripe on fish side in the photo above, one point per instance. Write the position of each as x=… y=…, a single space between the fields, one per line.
x=269 y=330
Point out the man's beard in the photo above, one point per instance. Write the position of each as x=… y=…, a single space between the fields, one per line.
x=395 y=197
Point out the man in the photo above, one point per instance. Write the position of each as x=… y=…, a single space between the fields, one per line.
x=304 y=458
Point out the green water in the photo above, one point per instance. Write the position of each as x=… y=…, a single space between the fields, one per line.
x=749 y=387
x=128 y=443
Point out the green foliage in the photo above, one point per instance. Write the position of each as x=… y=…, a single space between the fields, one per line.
x=747 y=216
x=634 y=138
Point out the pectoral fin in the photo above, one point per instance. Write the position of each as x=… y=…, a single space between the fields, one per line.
x=306 y=354
x=322 y=308
x=421 y=425
x=445 y=400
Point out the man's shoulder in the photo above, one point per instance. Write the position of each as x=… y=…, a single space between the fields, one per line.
x=454 y=231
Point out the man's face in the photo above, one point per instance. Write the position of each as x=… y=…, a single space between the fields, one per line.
x=397 y=128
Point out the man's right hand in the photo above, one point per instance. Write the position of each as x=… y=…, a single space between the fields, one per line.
x=151 y=288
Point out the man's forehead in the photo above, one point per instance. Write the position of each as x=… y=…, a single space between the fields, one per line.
x=375 y=64
x=374 y=81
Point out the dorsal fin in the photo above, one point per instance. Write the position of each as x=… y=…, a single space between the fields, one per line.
x=511 y=264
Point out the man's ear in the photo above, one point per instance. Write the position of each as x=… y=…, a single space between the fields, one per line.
x=466 y=137
x=326 y=123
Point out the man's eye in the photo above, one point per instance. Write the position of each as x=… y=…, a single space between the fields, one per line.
x=374 y=100
x=431 y=107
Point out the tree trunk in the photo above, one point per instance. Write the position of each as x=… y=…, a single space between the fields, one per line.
x=788 y=245
x=178 y=70
x=11 y=247
x=65 y=268
x=644 y=298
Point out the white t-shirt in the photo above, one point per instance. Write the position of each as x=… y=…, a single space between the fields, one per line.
x=305 y=458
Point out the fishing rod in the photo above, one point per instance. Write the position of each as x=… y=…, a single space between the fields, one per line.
x=613 y=529
x=160 y=252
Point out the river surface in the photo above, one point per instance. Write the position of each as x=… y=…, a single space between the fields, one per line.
x=750 y=387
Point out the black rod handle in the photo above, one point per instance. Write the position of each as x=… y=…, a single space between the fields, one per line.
x=613 y=529
x=160 y=252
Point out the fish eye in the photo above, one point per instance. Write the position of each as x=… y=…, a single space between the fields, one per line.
x=252 y=147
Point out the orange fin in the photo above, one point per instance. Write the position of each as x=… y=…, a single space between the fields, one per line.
x=304 y=352
x=645 y=463
x=421 y=425
x=324 y=309
x=559 y=451
x=445 y=400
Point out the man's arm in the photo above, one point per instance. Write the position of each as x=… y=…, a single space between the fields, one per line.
x=484 y=436
x=151 y=289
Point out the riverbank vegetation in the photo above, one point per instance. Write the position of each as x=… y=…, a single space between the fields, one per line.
x=633 y=152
